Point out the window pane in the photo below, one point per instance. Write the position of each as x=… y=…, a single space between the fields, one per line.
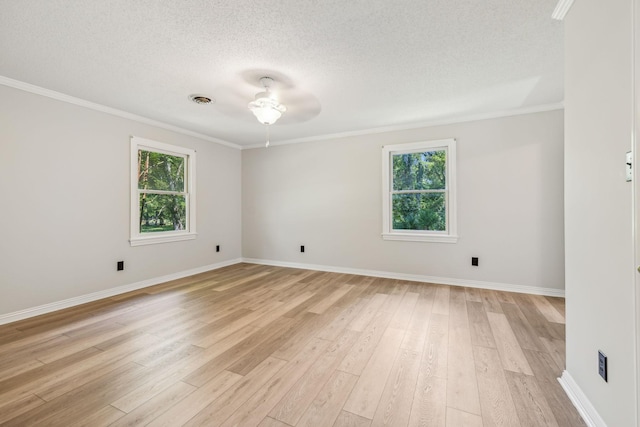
x=162 y=212
x=420 y=171
x=158 y=171
x=421 y=211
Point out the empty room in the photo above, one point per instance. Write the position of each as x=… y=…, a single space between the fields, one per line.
x=239 y=213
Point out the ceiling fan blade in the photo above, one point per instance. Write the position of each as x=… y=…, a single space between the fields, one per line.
x=301 y=107
x=233 y=102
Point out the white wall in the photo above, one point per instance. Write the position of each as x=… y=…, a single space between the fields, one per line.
x=327 y=196
x=598 y=205
x=64 y=184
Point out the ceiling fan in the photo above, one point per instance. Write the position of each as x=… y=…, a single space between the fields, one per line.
x=271 y=97
x=266 y=107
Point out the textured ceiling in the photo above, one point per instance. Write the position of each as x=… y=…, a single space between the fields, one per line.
x=353 y=65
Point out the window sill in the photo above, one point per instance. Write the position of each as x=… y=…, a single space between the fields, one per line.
x=153 y=240
x=433 y=238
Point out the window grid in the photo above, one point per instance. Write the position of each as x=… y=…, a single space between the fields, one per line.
x=445 y=234
x=181 y=186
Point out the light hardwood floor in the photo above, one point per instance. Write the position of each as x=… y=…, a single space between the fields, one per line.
x=254 y=345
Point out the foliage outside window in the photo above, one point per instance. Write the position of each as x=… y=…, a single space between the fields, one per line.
x=162 y=192
x=419 y=191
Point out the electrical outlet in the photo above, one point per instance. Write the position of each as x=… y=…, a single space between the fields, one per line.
x=301 y=248
x=120 y=266
x=602 y=365
x=474 y=261
x=217 y=248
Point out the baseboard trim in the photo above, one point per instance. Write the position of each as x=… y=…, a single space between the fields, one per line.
x=83 y=299
x=415 y=277
x=580 y=401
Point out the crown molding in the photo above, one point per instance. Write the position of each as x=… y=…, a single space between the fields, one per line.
x=418 y=125
x=562 y=9
x=16 y=84
x=27 y=87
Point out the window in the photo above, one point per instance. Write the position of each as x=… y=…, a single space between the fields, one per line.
x=418 y=191
x=163 y=200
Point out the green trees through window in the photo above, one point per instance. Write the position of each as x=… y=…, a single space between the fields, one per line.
x=418 y=196
x=161 y=191
x=419 y=191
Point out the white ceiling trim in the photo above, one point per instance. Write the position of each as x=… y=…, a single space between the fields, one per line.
x=109 y=110
x=427 y=124
x=561 y=9
x=6 y=81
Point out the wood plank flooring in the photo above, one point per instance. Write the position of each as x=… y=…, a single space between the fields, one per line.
x=252 y=345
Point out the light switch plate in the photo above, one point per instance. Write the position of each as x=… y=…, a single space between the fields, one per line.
x=628 y=166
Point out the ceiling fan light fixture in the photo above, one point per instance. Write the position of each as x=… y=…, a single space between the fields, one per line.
x=267 y=110
x=266 y=107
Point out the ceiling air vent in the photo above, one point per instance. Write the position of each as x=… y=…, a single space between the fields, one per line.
x=201 y=99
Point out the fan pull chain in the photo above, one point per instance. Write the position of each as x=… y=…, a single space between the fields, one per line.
x=267 y=144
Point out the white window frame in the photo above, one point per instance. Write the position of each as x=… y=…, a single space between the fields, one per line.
x=189 y=233
x=450 y=235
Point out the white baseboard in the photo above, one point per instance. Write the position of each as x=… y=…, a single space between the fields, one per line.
x=580 y=401
x=72 y=302
x=415 y=278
